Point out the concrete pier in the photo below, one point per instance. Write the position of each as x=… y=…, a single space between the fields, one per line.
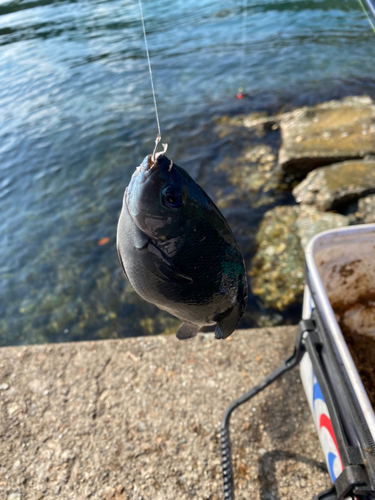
x=139 y=419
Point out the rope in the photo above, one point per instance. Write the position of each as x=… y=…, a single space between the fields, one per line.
x=158 y=137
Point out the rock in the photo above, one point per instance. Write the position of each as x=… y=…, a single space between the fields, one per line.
x=366 y=209
x=141 y=427
x=277 y=268
x=335 y=185
x=13 y=409
x=37 y=386
x=258 y=121
x=327 y=133
x=14 y=496
x=311 y=221
x=67 y=455
x=259 y=158
x=253 y=178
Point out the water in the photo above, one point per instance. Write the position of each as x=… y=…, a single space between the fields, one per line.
x=76 y=117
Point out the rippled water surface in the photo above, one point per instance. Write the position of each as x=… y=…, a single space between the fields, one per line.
x=76 y=117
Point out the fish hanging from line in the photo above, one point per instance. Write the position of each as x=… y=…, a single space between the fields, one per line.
x=178 y=251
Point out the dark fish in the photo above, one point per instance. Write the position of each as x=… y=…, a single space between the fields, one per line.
x=177 y=250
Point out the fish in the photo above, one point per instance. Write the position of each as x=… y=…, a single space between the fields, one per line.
x=178 y=251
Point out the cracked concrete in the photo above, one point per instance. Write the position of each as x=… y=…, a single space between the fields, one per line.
x=139 y=419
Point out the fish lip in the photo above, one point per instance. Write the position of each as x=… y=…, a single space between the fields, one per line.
x=146 y=169
x=151 y=169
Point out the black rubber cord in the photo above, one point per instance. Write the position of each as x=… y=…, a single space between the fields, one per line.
x=226 y=456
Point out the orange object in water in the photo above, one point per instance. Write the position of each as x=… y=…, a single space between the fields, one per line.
x=240 y=95
x=103 y=241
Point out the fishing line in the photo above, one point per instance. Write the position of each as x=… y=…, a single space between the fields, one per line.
x=368 y=17
x=158 y=137
x=242 y=70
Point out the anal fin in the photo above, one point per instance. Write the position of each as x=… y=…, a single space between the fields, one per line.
x=187 y=331
x=228 y=320
x=226 y=323
x=218 y=333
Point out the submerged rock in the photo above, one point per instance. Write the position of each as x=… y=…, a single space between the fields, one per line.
x=327 y=133
x=259 y=122
x=335 y=185
x=277 y=268
x=252 y=179
x=311 y=222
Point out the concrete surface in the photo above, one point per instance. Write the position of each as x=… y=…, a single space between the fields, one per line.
x=139 y=419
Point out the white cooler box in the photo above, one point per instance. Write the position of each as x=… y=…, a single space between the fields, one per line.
x=340 y=271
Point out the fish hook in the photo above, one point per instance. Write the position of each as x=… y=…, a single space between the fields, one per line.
x=157 y=140
x=155 y=155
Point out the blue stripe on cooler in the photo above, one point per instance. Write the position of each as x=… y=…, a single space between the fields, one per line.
x=321 y=418
x=326 y=433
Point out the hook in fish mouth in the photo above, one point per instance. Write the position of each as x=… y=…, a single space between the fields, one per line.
x=157 y=140
x=152 y=159
x=149 y=164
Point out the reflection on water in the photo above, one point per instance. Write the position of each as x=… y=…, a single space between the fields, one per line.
x=77 y=116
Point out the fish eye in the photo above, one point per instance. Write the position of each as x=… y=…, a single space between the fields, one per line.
x=171 y=198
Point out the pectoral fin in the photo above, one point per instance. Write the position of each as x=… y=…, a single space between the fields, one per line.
x=166 y=267
x=187 y=331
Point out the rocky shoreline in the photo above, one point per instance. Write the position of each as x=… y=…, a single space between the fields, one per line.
x=326 y=160
x=278 y=180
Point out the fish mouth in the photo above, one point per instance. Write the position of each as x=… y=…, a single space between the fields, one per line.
x=147 y=168
x=150 y=163
x=142 y=173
